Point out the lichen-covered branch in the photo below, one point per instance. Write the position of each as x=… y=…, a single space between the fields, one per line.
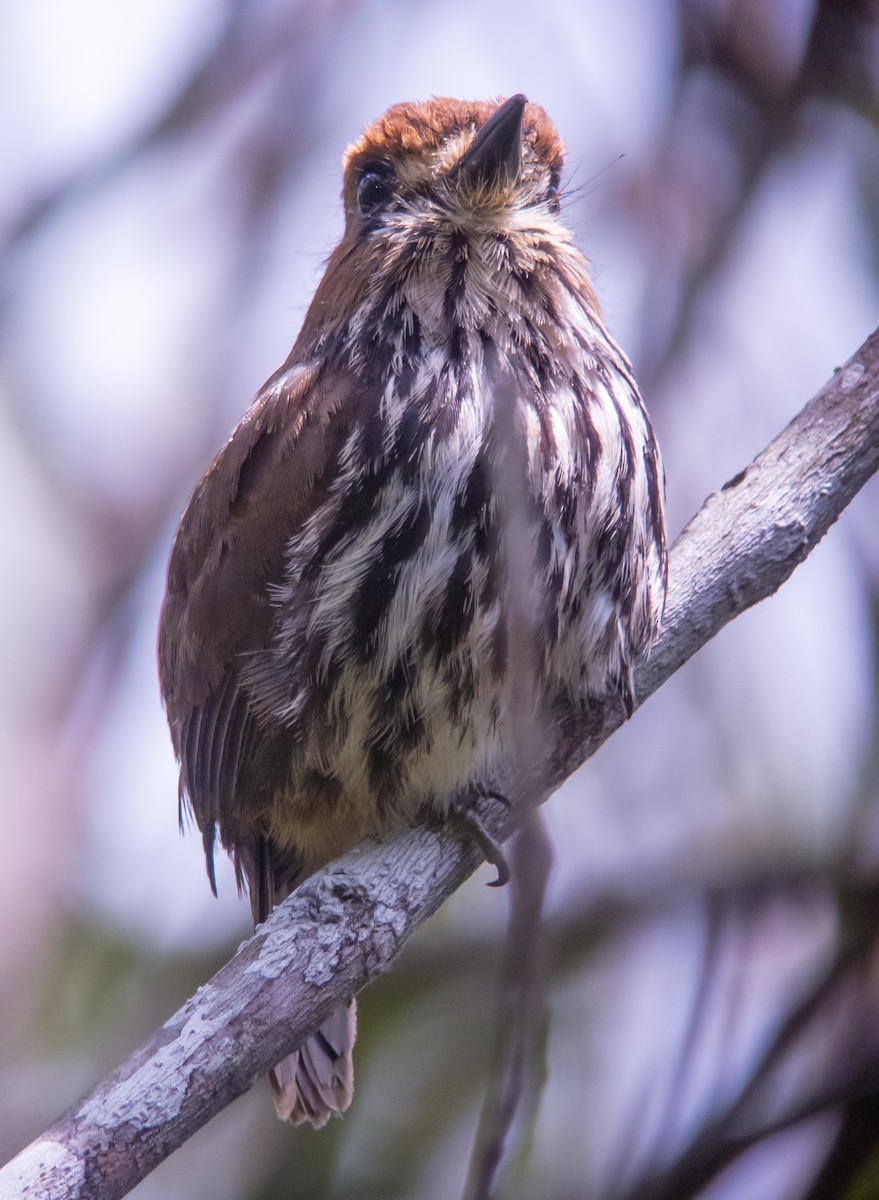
x=346 y=924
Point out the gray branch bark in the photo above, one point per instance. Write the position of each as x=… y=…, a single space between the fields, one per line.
x=348 y=923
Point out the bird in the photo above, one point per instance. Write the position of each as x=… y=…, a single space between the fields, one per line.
x=437 y=532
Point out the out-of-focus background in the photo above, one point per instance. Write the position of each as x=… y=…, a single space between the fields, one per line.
x=168 y=194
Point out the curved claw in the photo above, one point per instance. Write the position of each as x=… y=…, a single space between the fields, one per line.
x=491 y=849
x=503 y=874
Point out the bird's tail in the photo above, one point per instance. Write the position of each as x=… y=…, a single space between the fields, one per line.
x=316 y=1081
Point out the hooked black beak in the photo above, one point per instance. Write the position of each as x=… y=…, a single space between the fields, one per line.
x=494 y=156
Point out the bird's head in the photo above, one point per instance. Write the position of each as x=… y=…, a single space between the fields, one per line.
x=452 y=232
x=468 y=163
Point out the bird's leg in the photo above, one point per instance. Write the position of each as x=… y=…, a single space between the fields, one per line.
x=465 y=818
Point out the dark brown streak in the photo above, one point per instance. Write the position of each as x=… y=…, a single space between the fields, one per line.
x=380 y=582
x=457 y=610
x=458 y=255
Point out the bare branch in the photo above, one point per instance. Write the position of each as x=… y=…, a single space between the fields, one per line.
x=347 y=924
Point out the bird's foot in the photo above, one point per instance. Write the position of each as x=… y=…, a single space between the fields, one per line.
x=470 y=824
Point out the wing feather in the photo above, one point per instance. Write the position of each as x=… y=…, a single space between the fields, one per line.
x=228 y=553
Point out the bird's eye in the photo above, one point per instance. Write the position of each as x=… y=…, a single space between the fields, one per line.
x=375 y=185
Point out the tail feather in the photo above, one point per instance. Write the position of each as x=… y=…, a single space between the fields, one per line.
x=316 y=1081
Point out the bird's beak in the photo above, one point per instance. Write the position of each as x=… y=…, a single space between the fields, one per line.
x=493 y=158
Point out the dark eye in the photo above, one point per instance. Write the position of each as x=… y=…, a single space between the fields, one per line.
x=375 y=186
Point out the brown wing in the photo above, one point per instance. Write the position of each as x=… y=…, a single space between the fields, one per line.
x=228 y=552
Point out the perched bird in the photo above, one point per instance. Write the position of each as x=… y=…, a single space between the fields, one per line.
x=437 y=531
